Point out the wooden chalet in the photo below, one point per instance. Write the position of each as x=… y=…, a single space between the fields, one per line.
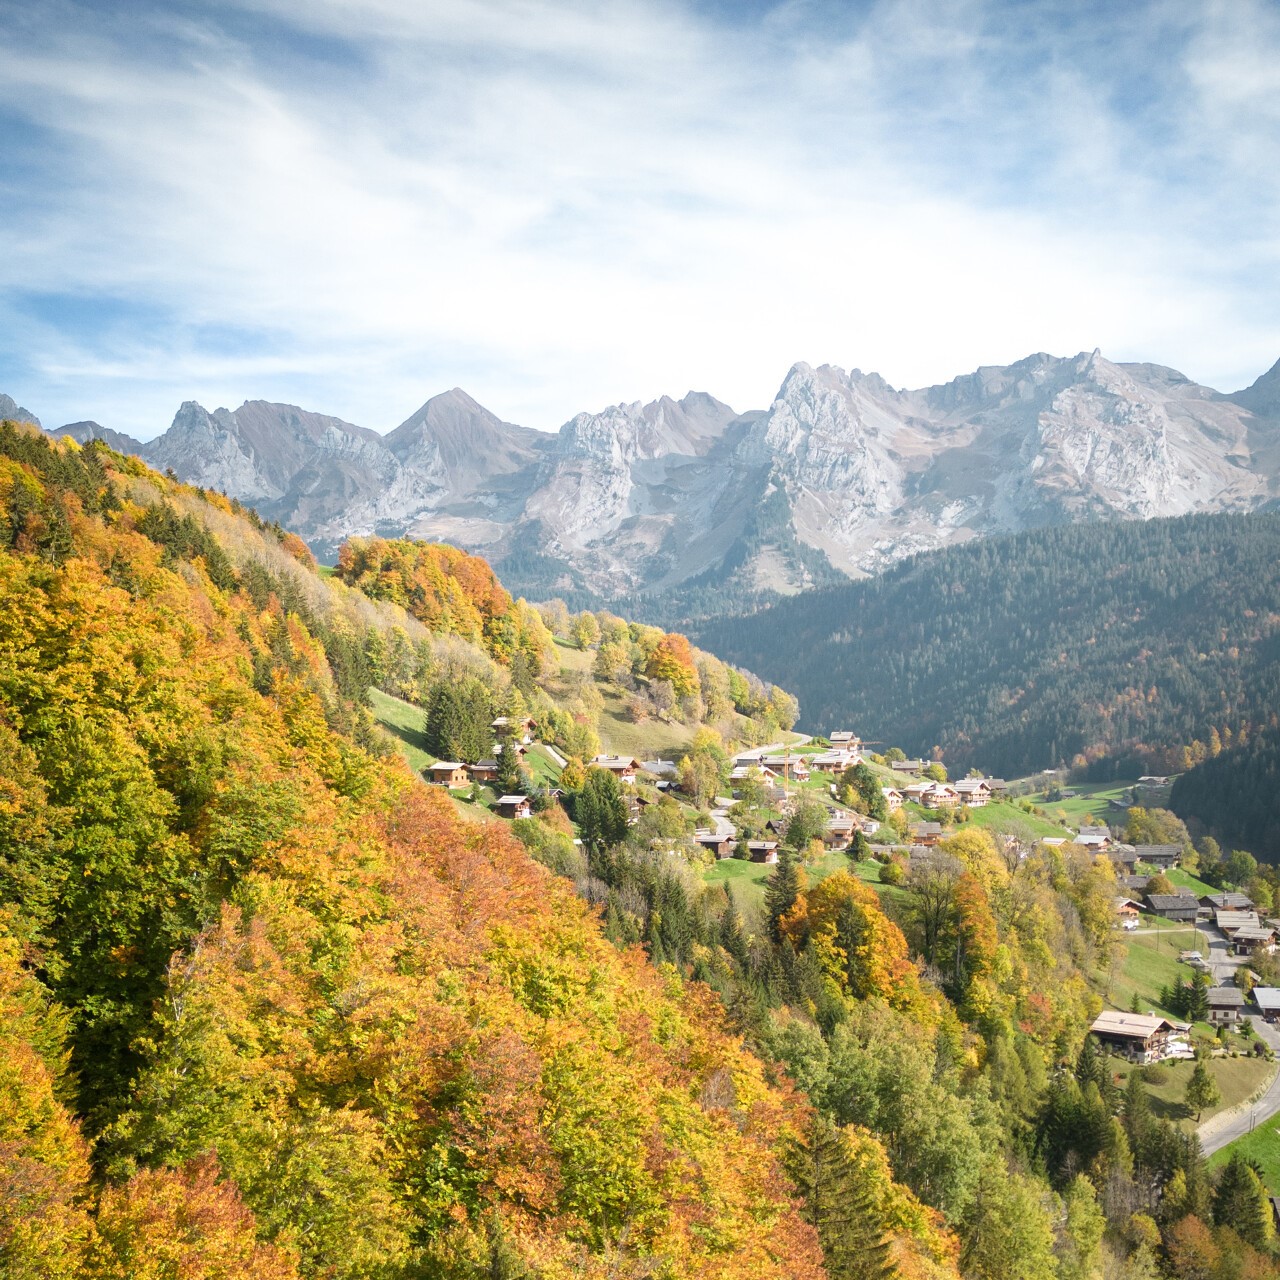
x=892 y=798
x=1125 y=856
x=1141 y=1037
x=1162 y=856
x=1182 y=907
x=718 y=842
x=926 y=834
x=1226 y=1005
x=787 y=766
x=623 y=767
x=974 y=793
x=449 y=773
x=513 y=807
x=844 y=738
x=836 y=761
x=1227 y=902
x=485 y=770
x=941 y=795
x=521 y=728
x=1231 y=922
x=765 y=851
x=910 y=766
x=1252 y=939
x=1268 y=1001
x=1094 y=837
x=839 y=832
x=1127 y=909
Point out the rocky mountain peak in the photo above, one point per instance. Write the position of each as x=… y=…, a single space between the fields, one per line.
x=83 y=432
x=1263 y=396
x=11 y=410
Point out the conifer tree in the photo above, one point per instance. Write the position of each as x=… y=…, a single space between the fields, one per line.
x=839 y=1205
x=1240 y=1202
x=782 y=890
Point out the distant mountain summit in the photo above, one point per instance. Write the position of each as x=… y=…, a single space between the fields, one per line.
x=840 y=476
x=83 y=432
x=11 y=409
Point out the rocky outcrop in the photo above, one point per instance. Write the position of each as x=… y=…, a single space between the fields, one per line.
x=842 y=474
x=83 y=432
x=12 y=411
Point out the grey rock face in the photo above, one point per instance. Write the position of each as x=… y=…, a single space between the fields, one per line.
x=83 y=432
x=12 y=411
x=841 y=473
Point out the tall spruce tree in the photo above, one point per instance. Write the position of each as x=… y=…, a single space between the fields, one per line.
x=782 y=890
x=839 y=1204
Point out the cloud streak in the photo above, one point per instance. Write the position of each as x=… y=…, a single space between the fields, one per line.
x=353 y=206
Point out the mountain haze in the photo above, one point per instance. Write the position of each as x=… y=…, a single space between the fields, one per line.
x=840 y=476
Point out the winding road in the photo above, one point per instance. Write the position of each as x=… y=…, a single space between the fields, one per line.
x=1224 y=1128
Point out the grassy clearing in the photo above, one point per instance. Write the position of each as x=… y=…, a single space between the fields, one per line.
x=326 y=570
x=1005 y=818
x=1148 y=962
x=1185 y=880
x=747 y=879
x=1090 y=804
x=1262 y=1146
x=1237 y=1078
x=404 y=722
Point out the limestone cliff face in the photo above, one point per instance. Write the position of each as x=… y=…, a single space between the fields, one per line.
x=842 y=472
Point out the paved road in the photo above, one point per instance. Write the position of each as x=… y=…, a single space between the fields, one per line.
x=1227 y=1126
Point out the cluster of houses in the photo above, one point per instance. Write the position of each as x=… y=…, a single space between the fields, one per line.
x=1151 y=1037
x=970 y=793
x=513 y=735
x=1232 y=914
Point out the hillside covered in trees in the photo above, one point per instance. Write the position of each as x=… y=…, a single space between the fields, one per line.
x=267 y=1007
x=1128 y=647
x=270 y=1008
x=1233 y=795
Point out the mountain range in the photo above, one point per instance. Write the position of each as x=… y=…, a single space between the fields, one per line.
x=840 y=476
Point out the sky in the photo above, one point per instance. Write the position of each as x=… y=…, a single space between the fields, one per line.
x=352 y=205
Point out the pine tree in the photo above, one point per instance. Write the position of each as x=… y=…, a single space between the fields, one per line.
x=839 y=1204
x=508 y=778
x=1240 y=1202
x=781 y=891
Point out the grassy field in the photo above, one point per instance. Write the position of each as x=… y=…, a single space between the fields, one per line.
x=1185 y=880
x=1262 y=1146
x=326 y=570
x=1237 y=1078
x=747 y=879
x=404 y=722
x=1148 y=962
x=1007 y=819
x=1089 y=805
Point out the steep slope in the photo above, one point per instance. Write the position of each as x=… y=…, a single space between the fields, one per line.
x=11 y=410
x=1122 y=643
x=411 y=1049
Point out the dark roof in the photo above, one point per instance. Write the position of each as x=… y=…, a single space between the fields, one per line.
x=1157 y=850
x=1226 y=996
x=1173 y=902
x=1228 y=901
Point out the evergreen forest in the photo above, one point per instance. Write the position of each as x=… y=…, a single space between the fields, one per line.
x=1115 y=647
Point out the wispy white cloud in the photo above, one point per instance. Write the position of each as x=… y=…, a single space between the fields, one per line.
x=354 y=205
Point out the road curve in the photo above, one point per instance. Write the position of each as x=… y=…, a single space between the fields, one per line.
x=1227 y=1126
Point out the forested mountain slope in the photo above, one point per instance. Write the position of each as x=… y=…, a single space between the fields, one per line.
x=1120 y=643
x=1233 y=795
x=267 y=1008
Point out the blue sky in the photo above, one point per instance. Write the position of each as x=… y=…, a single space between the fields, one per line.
x=354 y=204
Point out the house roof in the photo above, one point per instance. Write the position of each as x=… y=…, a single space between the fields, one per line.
x=1268 y=998
x=615 y=762
x=1138 y=1026
x=1173 y=901
x=447 y=766
x=926 y=828
x=1225 y=997
x=513 y=799
x=971 y=784
x=1228 y=901
x=1145 y=851
x=1235 y=919
x=1255 y=933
